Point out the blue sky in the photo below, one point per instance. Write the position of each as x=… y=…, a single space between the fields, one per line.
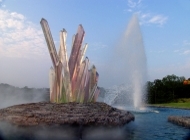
x=24 y=57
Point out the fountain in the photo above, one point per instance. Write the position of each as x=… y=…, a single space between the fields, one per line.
x=73 y=91
x=46 y=120
x=131 y=59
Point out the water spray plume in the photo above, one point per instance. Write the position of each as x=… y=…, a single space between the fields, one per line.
x=130 y=65
x=136 y=60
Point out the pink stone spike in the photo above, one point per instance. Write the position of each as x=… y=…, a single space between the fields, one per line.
x=76 y=50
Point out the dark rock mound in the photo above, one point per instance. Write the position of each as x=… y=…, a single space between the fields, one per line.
x=180 y=120
x=45 y=113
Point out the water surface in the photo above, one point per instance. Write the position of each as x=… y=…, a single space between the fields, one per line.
x=154 y=126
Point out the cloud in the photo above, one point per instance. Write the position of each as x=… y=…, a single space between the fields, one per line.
x=186 y=43
x=158 y=19
x=148 y=18
x=1 y=3
x=19 y=37
x=182 y=51
x=181 y=69
x=183 y=48
x=158 y=52
x=186 y=52
x=136 y=6
x=133 y=5
x=176 y=51
x=98 y=45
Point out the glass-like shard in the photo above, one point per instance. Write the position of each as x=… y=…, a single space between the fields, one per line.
x=70 y=81
x=51 y=82
x=92 y=93
x=67 y=83
x=75 y=50
x=83 y=79
x=49 y=41
x=78 y=83
x=87 y=84
x=92 y=78
x=83 y=52
x=96 y=95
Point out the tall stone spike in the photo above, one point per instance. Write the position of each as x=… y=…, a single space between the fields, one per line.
x=75 y=50
x=49 y=41
x=52 y=82
x=67 y=83
x=83 y=52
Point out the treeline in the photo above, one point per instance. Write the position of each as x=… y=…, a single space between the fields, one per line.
x=167 y=89
x=7 y=90
x=31 y=94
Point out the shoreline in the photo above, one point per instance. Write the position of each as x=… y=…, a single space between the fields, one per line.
x=183 y=121
x=180 y=120
x=160 y=106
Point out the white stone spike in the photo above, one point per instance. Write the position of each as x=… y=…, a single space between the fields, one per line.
x=67 y=82
x=93 y=92
x=78 y=83
x=51 y=81
x=49 y=41
x=83 y=52
x=83 y=79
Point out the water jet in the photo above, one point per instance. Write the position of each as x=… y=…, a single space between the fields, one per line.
x=130 y=61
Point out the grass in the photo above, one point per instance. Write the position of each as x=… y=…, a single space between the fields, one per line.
x=179 y=103
x=175 y=105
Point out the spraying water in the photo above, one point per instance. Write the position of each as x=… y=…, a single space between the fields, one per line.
x=137 y=60
x=130 y=65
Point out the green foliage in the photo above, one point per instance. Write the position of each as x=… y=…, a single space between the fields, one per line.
x=176 y=105
x=166 y=90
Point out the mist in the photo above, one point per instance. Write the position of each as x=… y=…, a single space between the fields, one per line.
x=10 y=95
x=66 y=132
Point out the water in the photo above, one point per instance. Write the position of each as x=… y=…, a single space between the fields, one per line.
x=128 y=66
x=132 y=43
x=148 y=125
x=153 y=125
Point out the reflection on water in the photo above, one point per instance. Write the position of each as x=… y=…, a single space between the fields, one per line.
x=148 y=125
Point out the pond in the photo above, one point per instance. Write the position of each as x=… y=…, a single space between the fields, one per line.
x=154 y=126
x=148 y=125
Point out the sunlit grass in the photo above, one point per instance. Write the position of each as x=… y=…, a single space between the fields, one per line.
x=176 y=105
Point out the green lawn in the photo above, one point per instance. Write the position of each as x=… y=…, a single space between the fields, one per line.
x=176 y=105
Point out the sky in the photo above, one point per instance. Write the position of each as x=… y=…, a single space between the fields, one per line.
x=24 y=56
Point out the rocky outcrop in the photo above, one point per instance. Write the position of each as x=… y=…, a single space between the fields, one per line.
x=180 y=120
x=46 y=113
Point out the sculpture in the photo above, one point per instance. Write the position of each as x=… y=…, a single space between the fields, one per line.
x=70 y=80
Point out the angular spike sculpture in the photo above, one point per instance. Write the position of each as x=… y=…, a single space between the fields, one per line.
x=70 y=81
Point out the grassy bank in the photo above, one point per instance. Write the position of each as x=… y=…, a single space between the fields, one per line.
x=179 y=103
x=175 y=105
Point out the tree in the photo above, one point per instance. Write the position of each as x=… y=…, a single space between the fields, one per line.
x=168 y=89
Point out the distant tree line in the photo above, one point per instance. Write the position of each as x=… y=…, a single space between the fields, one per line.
x=167 y=89
x=26 y=93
